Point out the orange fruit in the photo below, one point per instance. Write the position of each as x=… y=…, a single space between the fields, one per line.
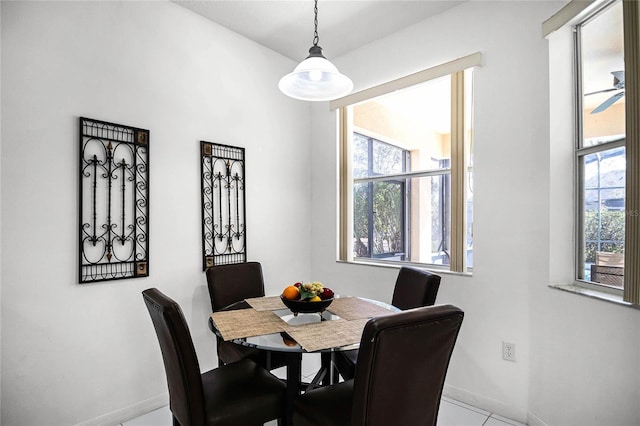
x=315 y=299
x=289 y=342
x=291 y=293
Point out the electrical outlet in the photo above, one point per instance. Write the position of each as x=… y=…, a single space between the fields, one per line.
x=508 y=351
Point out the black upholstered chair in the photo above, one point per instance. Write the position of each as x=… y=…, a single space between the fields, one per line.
x=402 y=365
x=233 y=283
x=242 y=393
x=414 y=288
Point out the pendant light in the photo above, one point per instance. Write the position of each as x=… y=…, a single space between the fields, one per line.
x=315 y=78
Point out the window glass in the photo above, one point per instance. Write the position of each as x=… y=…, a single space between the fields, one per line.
x=360 y=160
x=468 y=144
x=600 y=153
x=604 y=215
x=602 y=77
x=440 y=221
x=378 y=218
x=387 y=159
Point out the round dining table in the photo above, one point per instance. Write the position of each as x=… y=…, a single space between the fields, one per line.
x=293 y=351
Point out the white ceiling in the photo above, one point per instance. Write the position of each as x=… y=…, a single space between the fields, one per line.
x=286 y=26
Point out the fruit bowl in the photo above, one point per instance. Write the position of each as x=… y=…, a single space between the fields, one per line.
x=306 y=307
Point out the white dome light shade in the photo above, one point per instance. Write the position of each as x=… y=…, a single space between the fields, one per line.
x=315 y=79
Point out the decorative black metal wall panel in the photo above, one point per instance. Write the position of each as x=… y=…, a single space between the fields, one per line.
x=114 y=201
x=223 y=205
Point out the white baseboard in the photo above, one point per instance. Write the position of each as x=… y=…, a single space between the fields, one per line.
x=122 y=415
x=486 y=404
x=533 y=420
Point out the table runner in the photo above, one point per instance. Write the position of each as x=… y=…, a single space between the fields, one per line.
x=246 y=323
x=351 y=308
x=269 y=303
x=327 y=334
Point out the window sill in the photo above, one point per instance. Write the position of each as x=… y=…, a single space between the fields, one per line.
x=594 y=294
x=398 y=265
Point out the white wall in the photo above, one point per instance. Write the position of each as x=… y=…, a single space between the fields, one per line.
x=586 y=351
x=0 y=212
x=87 y=353
x=577 y=358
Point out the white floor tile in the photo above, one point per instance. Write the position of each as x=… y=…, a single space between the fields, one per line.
x=492 y=421
x=455 y=415
x=280 y=373
x=504 y=420
x=160 y=417
x=310 y=365
x=467 y=406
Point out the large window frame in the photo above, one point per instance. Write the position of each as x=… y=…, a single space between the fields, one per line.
x=458 y=169
x=567 y=18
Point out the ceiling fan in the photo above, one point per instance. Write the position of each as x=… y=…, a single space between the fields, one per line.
x=618 y=84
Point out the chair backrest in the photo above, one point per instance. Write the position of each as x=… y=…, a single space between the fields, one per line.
x=186 y=396
x=232 y=283
x=402 y=365
x=415 y=288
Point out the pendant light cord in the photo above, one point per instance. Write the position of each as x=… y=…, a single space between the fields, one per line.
x=316 y=39
x=315 y=78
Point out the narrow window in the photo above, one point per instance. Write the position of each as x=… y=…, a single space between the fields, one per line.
x=600 y=150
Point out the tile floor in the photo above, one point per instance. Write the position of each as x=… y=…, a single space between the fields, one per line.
x=452 y=412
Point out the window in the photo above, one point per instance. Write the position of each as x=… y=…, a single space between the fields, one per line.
x=406 y=170
x=600 y=149
x=378 y=205
x=607 y=148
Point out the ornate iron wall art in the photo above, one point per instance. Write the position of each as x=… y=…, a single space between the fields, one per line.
x=114 y=201
x=223 y=205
